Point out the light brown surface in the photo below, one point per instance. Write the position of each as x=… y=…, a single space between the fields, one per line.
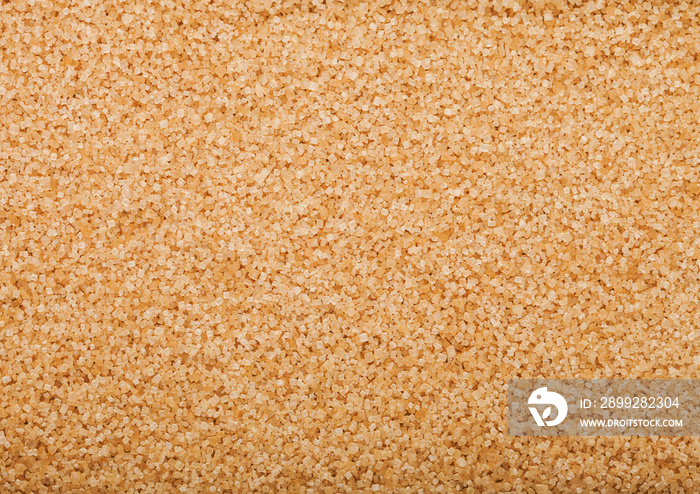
x=276 y=246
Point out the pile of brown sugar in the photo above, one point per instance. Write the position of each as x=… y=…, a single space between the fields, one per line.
x=278 y=246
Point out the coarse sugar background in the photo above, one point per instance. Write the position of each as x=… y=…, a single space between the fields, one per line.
x=302 y=246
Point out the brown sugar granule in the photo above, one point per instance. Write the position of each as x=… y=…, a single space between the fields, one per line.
x=302 y=246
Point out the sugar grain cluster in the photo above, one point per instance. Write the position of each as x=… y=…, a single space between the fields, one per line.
x=277 y=246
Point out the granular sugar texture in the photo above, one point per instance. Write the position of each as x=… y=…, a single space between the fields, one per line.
x=301 y=246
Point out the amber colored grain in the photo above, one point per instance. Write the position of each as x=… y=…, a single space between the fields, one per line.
x=301 y=246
